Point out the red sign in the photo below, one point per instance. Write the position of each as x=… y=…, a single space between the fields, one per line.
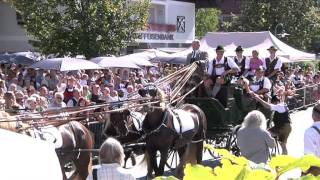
x=161 y=27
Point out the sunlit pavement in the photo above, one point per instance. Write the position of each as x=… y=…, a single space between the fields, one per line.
x=301 y=120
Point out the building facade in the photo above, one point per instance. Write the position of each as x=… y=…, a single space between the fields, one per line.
x=12 y=37
x=171 y=24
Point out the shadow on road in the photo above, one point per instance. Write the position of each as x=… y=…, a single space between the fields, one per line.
x=210 y=162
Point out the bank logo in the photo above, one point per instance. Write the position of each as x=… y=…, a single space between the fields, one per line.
x=181 y=24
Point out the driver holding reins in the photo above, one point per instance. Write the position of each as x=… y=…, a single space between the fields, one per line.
x=221 y=69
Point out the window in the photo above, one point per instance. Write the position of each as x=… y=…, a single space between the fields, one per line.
x=157 y=14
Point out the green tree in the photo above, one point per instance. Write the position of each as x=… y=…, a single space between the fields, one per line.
x=301 y=19
x=87 y=27
x=207 y=20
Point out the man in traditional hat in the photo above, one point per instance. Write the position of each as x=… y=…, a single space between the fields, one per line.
x=272 y=64
x=221 y=69
x=196 y=54
x=243 y=62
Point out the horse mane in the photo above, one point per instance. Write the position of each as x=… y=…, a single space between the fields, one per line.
x=8 y=122
x=162 y=96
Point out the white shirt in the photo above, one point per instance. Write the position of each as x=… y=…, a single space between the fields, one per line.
x=111 y=172
x=280 y=108
x=312 y=140
x=194 y=53
x=277 y=66
x=219 y=71
x=266 y=85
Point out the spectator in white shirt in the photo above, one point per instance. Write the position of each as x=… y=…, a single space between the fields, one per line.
x=106 y=95
x=312 y=138
x=111 y=157
x=57 y=102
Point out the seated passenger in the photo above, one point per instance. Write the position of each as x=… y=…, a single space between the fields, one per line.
x=260 y=85
x=255 y=63
x=221 y=68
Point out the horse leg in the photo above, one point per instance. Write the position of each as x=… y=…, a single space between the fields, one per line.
x=152 y=162
x=191 y=154
x=163 y=160
x=83 y=163
x=199 y=152
x=182 y=154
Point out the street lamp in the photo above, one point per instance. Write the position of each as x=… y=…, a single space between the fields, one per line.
x=283 y=33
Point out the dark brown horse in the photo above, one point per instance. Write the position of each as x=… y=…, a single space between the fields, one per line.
x=74 y=138
x=126 y=127
x=195 y=79
x=161 y=135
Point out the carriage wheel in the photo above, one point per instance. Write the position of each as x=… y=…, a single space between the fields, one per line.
x=277 y=150
x=232 y=142
x=213 y=143
x=173 y=159
x=219 y=141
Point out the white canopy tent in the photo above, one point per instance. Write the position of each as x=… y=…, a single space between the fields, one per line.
x=260 y=41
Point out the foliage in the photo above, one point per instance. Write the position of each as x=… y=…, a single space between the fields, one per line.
x=207 y=20
x=300 y=19
x=166 y=178
x=84 y=27
x=240 y=168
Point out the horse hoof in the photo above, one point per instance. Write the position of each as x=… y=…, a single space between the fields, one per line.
x=149 y=177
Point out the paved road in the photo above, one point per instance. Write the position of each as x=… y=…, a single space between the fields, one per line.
x=301 y=120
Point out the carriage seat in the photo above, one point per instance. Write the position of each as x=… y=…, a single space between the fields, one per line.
x=50 y=134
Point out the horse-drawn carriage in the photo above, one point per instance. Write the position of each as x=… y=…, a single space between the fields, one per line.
x=162 y=128
x=217 y=129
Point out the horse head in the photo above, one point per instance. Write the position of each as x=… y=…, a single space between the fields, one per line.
x=197 y=76
x=155 y=110
x=120 y=121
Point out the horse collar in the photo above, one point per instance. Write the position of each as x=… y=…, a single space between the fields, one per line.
x=163 y=123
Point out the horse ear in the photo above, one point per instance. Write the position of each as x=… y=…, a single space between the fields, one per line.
x=153 y=92
x=142 y=92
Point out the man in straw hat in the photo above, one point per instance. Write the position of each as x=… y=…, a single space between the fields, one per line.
x=272 y=64
x=221 y=68
x=196 y=54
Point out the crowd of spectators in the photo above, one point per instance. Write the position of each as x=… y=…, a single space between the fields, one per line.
x=29 y=90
